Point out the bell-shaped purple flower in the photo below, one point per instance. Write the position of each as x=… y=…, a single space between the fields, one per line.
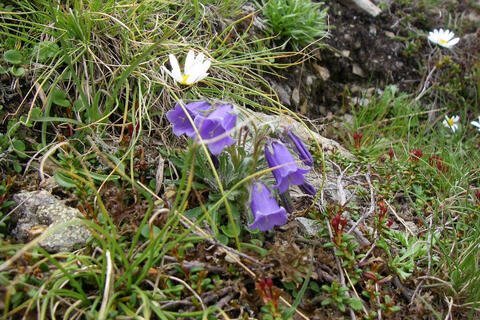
x=266 y=211
x=216 y=127
x=308 y=188
x=301 y=149
x=288 y=172
x=179 y=119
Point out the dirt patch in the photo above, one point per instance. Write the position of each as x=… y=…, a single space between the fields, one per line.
x=369 y=53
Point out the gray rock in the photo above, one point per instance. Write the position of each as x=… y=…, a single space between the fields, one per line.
x=283 y=91
x=37 y=212
x=296 y=97
x=329 y=146
x=308 y=226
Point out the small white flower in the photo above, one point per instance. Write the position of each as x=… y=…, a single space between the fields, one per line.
x=452 y=122
x=195 y=68
x=476 y=123
x=443 y=38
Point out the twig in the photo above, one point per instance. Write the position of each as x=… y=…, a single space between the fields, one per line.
x=340 y=269
x=189 y=289
x=399 y=218
x=378 y=302
x=407 y=293
x=449 y=312
x=372 y=203
x=425 y=84
x=107 y=289
x=368 y=7
x=418 y=288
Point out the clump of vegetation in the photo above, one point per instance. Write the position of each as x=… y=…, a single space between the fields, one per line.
x=300 y=22
x=141 y=115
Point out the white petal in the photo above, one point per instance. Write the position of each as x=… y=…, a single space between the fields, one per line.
x=199 y=59
x=206 y=65
x=476 y=124
x=455 y=118
x=189 y=61
x=200 y=77
x=176 y=73
x=445 y=124
x=453 y=42
x=167 y=71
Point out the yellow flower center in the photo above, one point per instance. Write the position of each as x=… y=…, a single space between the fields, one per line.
x=442 y=41
x=450 y=122
x=184 y=79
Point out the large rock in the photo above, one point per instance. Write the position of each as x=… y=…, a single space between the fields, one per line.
x=39 y=210
x=328 y=145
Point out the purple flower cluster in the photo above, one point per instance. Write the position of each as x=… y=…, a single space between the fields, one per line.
x=266 y=211
x=213 y=125
x=199 y=120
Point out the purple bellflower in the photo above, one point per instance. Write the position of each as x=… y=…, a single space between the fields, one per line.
x=216 y=126
x=308 y=188
x=180 y=121
x=289 y=172
x=266 y=211
x=301 y=149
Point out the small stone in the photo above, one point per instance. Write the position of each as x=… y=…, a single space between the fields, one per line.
x=309 y=80
x=283 y=93
x=390 y=34
x=357 y=70
x=308 y=226
x=411 y=226
x=37 y=212
x=322 y=72
x=296 y=97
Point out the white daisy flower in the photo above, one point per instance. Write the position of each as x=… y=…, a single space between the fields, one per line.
x=443 y=38
x=476 y=123
x=452 y=122
x=195 y=68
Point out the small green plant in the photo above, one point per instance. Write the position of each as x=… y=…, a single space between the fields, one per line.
x=301 y=21
x=339 y=297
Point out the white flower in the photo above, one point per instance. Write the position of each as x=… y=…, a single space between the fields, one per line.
x=476 y=123
x=443 y=38
x=195 y=68
x=452 y=122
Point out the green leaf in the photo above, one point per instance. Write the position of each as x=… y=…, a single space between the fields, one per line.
x=222 y=239
x=36 y=113
x=355 y=304
x=19 y=145
x=17 y=72
x=13 y=56
x=193 y=213
x=100 y=177
x=17 y=167
x=46 y=50
x=60 y=98
x=63 y=180
x=327 y=301
x=145 y=232
x=78 y=106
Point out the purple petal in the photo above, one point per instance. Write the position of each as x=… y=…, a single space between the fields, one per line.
x=308 y=188
x=217 y=125
x=301 y=149
x=266 y=211
x=179 y=119
x=289 y=172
